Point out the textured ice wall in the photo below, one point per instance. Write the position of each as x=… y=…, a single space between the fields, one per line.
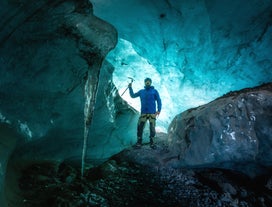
x=194 y=50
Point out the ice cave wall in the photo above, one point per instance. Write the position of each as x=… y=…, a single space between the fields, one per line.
x=195 y=51
x=48 y=51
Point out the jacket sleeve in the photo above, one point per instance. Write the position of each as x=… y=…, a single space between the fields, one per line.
x=158 y=99
x=132 y=94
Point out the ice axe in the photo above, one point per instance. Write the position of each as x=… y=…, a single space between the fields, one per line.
x=131 y=81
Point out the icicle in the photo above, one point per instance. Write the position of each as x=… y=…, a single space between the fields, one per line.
x=84 y=149
x=90 y=93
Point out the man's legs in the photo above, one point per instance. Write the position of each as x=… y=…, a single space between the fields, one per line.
x=140 y=128
x=152 y=125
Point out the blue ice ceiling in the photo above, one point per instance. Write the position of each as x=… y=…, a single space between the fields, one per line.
x=195 y=51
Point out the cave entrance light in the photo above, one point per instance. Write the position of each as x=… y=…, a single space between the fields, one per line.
x=177 y=92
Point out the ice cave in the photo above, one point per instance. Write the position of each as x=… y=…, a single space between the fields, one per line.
x=68 y=123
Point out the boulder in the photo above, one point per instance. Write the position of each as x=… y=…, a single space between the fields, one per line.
x=233 y=131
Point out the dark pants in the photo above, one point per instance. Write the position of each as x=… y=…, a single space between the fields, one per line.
x=141 y=124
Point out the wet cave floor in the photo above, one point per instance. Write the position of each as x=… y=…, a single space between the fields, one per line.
x=123 y=183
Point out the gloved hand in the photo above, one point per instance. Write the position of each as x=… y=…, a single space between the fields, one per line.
x=157 y=113
x=130 y=85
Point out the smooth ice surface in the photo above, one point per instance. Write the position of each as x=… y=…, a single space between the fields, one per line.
x=195 y=51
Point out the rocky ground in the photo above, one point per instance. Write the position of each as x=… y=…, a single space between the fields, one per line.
x=127 y=180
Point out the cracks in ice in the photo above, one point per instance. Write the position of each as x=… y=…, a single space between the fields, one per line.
x=12 y=20
x=264 y=32
x=79 y=80
x=172 y=7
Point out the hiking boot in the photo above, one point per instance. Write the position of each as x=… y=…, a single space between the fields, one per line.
x=138 y=143
x=152 y=145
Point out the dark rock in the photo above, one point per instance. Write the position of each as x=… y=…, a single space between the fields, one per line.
x=233 y=132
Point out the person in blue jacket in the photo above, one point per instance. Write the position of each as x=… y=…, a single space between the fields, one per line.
x=149 y=96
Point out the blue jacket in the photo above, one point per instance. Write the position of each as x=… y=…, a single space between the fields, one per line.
x=148 y=97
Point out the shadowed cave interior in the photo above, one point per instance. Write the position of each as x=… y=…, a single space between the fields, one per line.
x=67 y=125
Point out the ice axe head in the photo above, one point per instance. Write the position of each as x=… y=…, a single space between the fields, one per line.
x=131 y=79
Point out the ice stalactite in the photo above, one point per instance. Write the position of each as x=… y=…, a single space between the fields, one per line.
x=91 y=87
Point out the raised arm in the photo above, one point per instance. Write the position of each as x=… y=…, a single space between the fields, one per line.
x=131 y=93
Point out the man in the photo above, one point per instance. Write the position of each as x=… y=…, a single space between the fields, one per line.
x=149 y=111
